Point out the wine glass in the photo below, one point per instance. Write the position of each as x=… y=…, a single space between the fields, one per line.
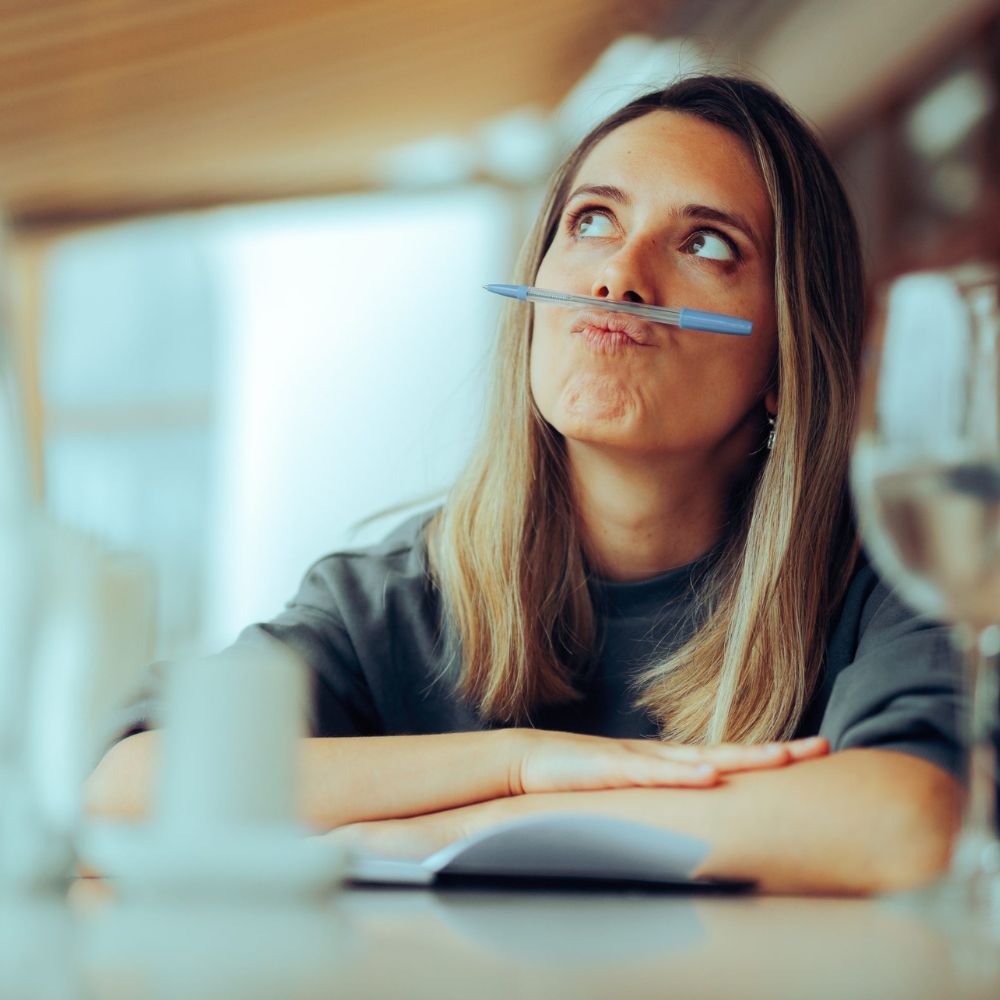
x=925 y=474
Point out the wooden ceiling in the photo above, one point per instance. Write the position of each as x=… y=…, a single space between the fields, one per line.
x=110 y=107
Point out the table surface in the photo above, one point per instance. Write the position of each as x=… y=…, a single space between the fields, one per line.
x=487 y=943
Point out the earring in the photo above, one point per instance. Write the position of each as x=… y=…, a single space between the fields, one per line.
x=772 y=419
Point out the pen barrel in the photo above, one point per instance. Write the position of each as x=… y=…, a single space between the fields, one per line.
x=695 y=319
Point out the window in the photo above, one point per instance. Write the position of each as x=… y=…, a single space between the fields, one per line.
x=227 y=393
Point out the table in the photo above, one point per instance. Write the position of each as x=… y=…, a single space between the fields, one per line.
x=486 y=943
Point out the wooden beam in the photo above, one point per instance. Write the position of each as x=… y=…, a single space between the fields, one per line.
x=25 y=280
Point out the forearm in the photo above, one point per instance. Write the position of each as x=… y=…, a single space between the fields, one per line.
x=860 y=821
x=376 y=777
x=341 y=780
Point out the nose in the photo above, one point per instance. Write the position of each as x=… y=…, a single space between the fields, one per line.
x=624 y=276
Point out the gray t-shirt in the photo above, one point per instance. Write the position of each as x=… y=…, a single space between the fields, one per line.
x=370 y=625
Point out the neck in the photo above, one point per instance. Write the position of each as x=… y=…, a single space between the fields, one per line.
x=640 y=517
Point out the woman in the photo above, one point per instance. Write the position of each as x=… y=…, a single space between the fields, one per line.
x=645 y=584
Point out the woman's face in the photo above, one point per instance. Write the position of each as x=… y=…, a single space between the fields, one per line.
x=668 y=210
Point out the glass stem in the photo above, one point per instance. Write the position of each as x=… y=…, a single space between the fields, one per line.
x=978 y=845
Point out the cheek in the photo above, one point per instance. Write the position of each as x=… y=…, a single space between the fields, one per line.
x=544 y=358
x=541 y=368
x=551 y=368
x=557 y=269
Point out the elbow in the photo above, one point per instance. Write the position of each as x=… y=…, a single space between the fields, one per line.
x=119 y=787
x=915 y=842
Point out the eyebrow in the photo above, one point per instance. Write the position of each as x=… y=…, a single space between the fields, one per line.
x=727 y=218
x=608 y=191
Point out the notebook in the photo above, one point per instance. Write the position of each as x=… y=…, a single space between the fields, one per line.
x=551 y=847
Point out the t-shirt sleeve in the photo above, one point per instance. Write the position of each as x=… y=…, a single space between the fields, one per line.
x=903 y=689
x=311 y=626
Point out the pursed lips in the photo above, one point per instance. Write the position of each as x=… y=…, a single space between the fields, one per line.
x=598 y=322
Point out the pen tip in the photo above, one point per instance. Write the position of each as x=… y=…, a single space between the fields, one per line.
x=511 y=291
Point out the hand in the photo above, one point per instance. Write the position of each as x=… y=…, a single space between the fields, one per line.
x=415 y=837
x=409 y=839
x=564 y=762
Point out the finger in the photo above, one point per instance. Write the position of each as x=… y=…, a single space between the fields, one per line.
x=396 y=838
x=812 y=746
x=652 y=771
x=616 y=765
x=737 y=756
x=731 y=756
x=624 y=770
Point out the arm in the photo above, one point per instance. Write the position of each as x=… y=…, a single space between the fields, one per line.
x=353 y=779
x=859 y=821
x=342 y=780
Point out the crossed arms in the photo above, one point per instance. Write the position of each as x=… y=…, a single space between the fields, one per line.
x=792 y=817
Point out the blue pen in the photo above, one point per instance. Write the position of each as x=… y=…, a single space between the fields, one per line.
x=687 y=319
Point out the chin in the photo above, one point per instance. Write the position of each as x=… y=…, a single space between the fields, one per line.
x=594 y=409
x=597 y=402
x=614 y=431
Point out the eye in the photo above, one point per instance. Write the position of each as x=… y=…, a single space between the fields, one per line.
x=714 y=246
x=591 y=223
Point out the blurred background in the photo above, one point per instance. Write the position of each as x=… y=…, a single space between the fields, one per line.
x=243 y=240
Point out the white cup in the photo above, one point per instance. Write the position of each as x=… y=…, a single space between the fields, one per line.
x=233 y=723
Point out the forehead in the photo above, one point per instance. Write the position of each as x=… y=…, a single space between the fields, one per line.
x=678 y=159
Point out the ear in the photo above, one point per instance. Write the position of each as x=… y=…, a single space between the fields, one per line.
x=771 y=401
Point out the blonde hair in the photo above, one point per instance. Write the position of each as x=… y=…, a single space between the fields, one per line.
x=505 y=551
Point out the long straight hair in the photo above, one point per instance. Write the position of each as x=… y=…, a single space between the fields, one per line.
x=505 y=550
